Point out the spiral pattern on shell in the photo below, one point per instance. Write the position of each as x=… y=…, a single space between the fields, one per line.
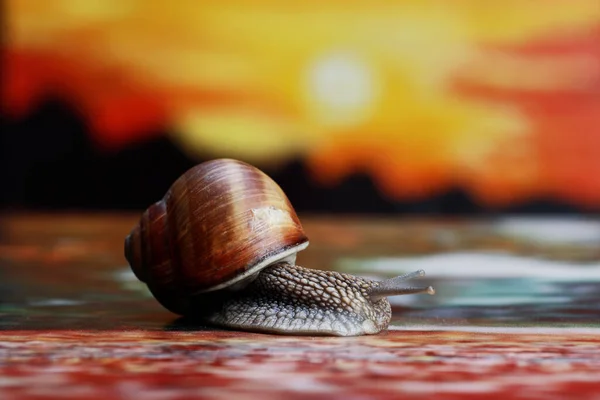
x=219 y=222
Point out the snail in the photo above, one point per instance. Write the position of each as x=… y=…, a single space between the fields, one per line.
x=221 y=247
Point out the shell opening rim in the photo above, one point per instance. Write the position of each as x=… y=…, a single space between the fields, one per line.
x=289 y=255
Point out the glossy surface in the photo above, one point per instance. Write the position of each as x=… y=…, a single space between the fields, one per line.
x=516 y=315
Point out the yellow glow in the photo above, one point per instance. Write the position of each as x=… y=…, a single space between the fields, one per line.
x=341 y=89
x=242 y=133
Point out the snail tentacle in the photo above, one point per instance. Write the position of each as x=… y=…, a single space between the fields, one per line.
x=394 y=286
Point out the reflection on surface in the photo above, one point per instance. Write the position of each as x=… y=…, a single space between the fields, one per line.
x=494 y=289
x=74 y=276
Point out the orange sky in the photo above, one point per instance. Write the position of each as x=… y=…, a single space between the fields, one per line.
x=502 y=99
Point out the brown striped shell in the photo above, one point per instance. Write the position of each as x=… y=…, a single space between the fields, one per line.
x=220 y=222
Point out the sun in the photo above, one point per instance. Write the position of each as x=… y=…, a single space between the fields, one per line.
x=341 y=89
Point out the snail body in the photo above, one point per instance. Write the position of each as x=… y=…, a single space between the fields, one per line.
x=221 y=247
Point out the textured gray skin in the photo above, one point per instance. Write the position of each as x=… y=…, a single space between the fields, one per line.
x=290 y=299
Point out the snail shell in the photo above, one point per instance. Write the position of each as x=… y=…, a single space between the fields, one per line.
x=221 y=222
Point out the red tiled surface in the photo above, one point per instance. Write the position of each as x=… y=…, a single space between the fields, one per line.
x=228 y=365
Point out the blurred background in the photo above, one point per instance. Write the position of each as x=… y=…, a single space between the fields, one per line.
x=424 y=107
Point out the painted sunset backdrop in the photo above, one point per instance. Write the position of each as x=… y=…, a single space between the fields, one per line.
x=500 y=99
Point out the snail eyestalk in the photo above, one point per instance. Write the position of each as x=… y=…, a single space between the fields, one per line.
x=393 y=287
